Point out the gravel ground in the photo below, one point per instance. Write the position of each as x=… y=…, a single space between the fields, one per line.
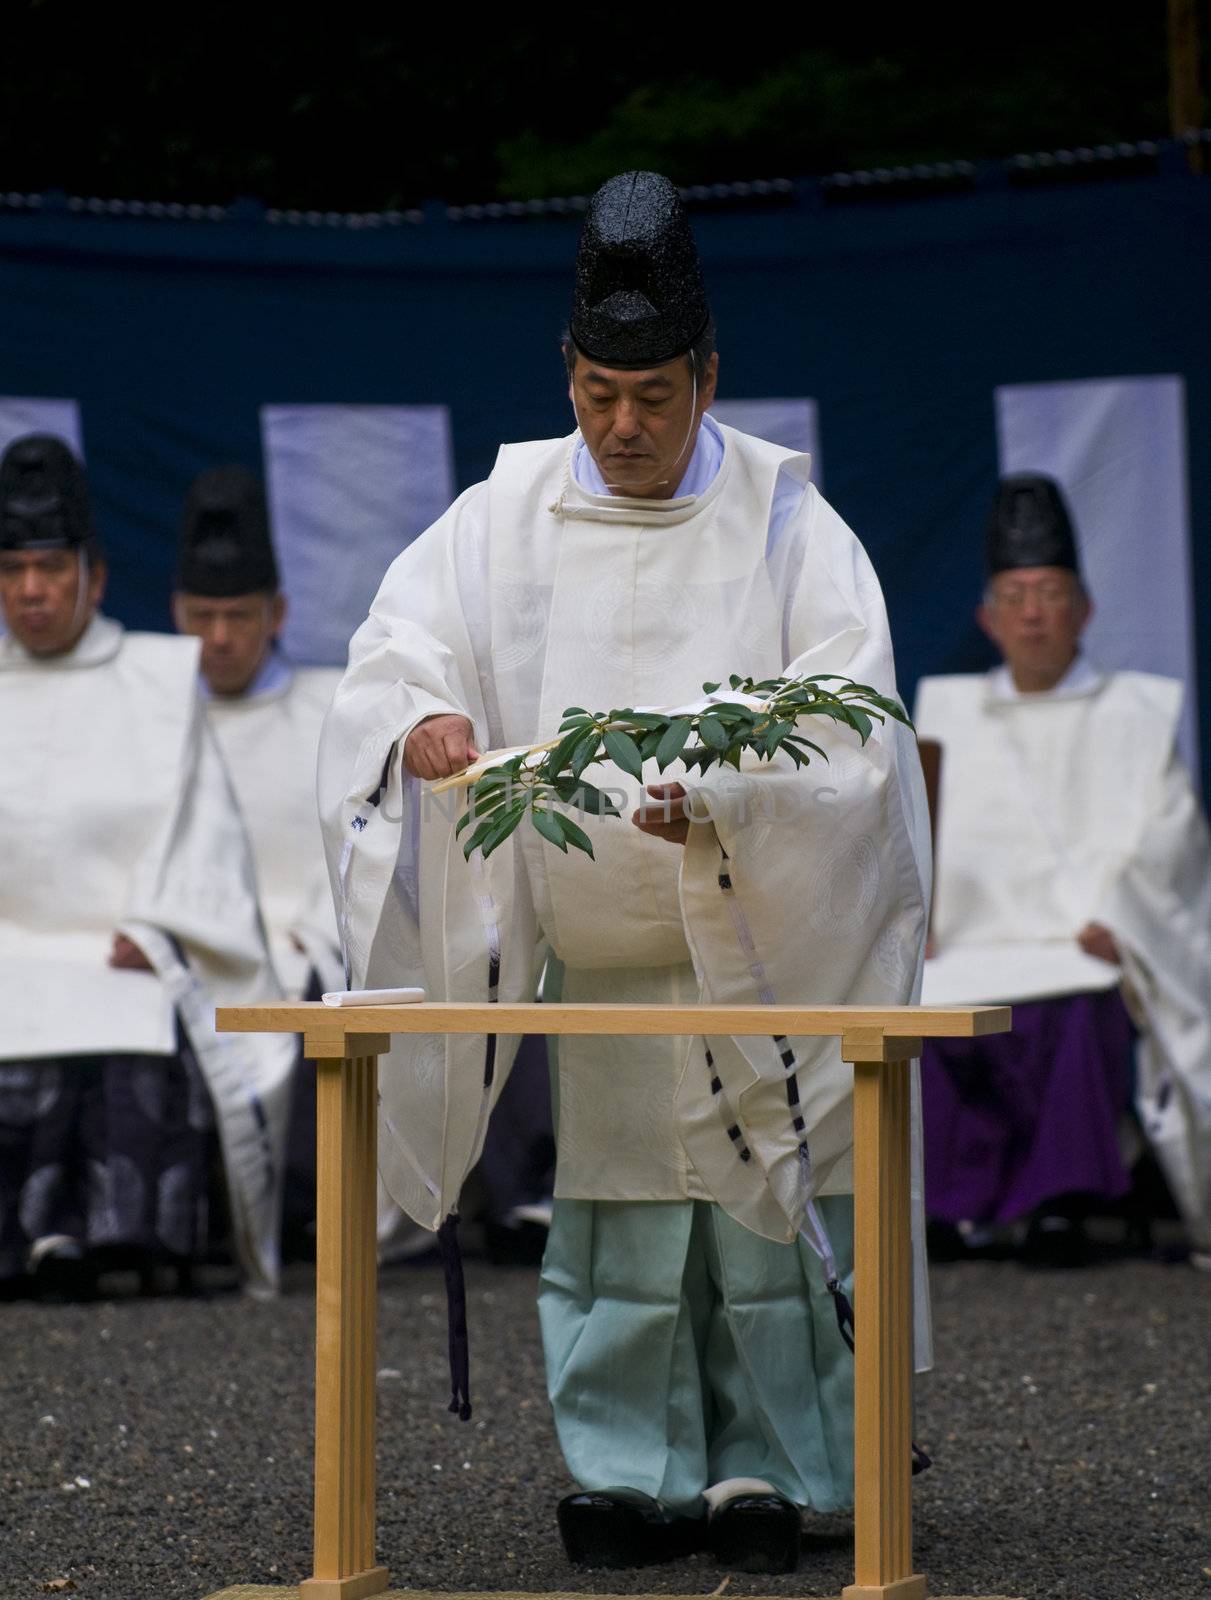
x=159 y=1448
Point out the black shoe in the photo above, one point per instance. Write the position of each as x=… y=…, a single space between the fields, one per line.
x=624 y=1528
x=755 y=1533
x=1056 y=1240
x=63 y=1271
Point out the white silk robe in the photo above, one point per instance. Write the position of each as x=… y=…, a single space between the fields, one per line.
x=117 y=816
x=531 y=595
x=1061 y=809
x=269 y=742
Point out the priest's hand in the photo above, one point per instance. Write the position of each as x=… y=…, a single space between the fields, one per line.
x=439 y=747
x=1096 y=940
x=127 y=956
x=664 y=812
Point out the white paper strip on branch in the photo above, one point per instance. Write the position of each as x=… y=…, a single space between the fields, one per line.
x=349 y=487
x=21 y=414
x=793 y=424
x=1118 y=448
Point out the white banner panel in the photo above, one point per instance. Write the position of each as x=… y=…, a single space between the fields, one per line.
x=21 y=414
x=349 y=487
x=1117 y=446
x=790 y=423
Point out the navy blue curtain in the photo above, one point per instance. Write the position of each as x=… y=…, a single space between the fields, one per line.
x=899 y=317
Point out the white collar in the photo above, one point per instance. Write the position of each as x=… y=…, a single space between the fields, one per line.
x=1080 y=679
x=574 y=501
x=99 y=643
x=273 y=677
x=701 y=472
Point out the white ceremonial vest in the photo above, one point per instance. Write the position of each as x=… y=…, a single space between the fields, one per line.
x=92 y=749
x=1043 y=800
x=637 y=604
x=604 y=603
x=268 y=743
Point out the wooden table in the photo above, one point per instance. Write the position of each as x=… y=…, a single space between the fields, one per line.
x=345 y=1043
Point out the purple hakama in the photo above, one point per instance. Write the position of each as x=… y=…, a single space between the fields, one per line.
x=1015 y=1121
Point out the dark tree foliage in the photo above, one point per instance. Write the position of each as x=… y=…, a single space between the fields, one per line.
x=359 y=109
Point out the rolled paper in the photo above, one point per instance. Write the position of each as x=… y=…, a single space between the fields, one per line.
x=373 y=997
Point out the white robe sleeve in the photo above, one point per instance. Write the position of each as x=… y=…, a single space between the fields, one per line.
x=1159 y=910
x=410 y=909
x=193 y=912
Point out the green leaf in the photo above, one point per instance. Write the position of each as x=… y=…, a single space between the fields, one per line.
x=593 y=800
x=483 y=807
x=862 y=723
x=493 y=778
x=624 y=752
x=711 y=731
x=481 y=833
x=557 y=759
x=893 y=708
x=673 y=742
x=650 y=741
x=547 y=823
x=575 y=711
x=835 y=710
x=585 y=755
x=732 y=756
x=485 y=788
x=805 y=744
x=574 y=834
x=644 y=719
x=735 y=681
x=709 y=688
x=775 y=734
x=502 y=829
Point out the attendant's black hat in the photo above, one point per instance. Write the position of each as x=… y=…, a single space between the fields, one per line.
x=1030 y=526
x=225 y=549
x=639 y=299
x=44 y=498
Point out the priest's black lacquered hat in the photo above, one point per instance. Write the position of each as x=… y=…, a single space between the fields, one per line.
x=639 y=299
x=44 y=498
x=1030 y=526
x=225 y=547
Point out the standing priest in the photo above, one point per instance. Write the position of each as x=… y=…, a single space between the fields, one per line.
x=127 y=912
x=1074 y=879
x=693 y=1353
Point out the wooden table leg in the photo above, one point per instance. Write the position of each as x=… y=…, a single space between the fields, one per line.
x=346 y=1307
x=883 y=1335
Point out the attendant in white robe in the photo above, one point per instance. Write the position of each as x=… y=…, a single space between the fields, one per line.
x=265 y=714
x=693 y=1351
x=127 y=912
x=1074 y=880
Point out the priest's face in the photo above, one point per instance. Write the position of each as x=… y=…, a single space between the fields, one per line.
x=236 y=634
x=641 y=427
x=49 y=597
x=1035 y=616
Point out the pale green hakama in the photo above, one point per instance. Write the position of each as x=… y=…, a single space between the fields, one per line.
x=683 y=1350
